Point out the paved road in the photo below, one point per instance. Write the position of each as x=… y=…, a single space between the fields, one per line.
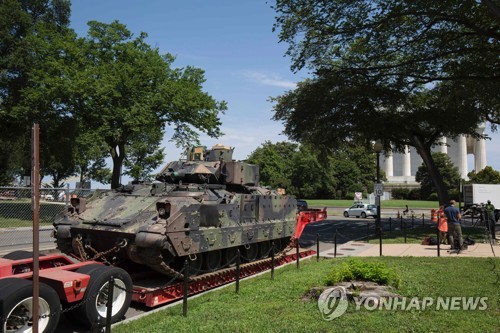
x=12 y=239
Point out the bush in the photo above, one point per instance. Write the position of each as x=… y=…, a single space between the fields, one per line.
x=454 y=194
x=400 y=193
x=433 y=197
x=414 y=194
x=356 y=269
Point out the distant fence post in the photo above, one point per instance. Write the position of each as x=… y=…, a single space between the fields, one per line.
x=439 y=242
x=238 y=262
x=404 y=230
x=272 y=260
x=335 y=244
x=317 y=247
x=67 y=196
x=185 y=288
x=109 y=304
x=297 y=252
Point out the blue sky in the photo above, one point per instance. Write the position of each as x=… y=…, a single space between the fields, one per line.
x=233 y=41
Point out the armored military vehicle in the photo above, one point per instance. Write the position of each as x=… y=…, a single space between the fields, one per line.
x=203 y=207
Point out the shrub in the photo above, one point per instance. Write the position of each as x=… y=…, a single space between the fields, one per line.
x=454 y=194
x=414 y=194
x=433 y=197
x=400 y=193
x=356 y=269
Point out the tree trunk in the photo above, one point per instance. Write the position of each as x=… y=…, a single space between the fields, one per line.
x=425 y=153
x=118 y=155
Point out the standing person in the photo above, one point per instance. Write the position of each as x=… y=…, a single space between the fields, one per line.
x=454 y=229
x=490 y=211
x=442 y=224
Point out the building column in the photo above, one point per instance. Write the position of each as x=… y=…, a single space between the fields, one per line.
x=479 y=155
x=389 y=165
x=462 y=157
x=406 y=162
x=443 y=148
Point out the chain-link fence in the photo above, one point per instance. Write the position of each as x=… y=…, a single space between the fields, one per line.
x=16 y=214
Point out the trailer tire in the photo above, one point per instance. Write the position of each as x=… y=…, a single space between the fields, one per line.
x=93 y=308
x=20 y=254
x=15 y=302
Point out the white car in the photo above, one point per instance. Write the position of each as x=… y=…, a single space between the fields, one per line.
x=360 y=209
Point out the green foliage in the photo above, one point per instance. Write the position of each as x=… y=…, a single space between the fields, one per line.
x=414 y=194
x=144 y=155
x=357 y=269
x=275 y=163
x=486 y=176
x=104 y=95
x=33 y=87
x=395 y=71
x=308 y=173
x=433 y=196
x=405 y=194
x=415 y=42
x=448 y=172
x=137 y=94
x=400 y=193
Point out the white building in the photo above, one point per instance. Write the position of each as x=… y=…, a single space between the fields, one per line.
x=400 y=168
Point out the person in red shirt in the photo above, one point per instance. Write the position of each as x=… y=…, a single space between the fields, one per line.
x=442 y=224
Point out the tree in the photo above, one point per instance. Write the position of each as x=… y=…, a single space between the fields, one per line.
x=308 y=173
x=275 y=161
x=449 y=173
x=144 y=155
x=384 y=70
x=419 y=41
x=354 y=169
x=132 y=91
x=486 y=176
x=31 y=36
x=312 y=175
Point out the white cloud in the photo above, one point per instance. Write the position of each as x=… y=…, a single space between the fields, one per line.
x=269 y=79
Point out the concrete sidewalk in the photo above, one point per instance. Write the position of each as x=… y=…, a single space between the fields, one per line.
x=361 y=249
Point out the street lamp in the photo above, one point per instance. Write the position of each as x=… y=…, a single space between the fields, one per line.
x=377 y=147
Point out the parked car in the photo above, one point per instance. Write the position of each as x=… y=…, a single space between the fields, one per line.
x=361 y=209
x=301 y=205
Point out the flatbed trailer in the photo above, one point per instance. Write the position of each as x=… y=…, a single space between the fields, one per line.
x=65 y=285
x=81 y=289
x=151 y=291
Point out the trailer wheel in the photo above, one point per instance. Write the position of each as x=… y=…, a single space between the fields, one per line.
x=250 y=254
x=94 y=302
x=264 y=249
x=21 y=254
x=17 y=310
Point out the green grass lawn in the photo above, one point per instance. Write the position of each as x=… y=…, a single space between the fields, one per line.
x=413 y=204
x=18 y=213
x=265 y=305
